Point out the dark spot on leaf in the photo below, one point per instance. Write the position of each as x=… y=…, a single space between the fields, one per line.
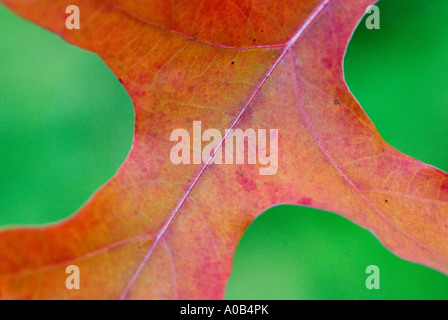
x=444 y=186
x=247 y=184
x=359 y=146
x=233 y=62
x=328 y=63
x=336 y=101
x=305 y=201
x=386 y=201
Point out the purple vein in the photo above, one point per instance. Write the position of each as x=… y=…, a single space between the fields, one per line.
x=173 y=214
x=136 y=17
x=87 y=255
x=346 y=178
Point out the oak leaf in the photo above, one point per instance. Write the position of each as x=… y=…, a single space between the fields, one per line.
x=162 y=231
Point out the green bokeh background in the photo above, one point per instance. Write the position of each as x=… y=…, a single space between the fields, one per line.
x=66 y=125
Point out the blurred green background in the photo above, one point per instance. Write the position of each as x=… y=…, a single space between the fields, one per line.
x=66 y=125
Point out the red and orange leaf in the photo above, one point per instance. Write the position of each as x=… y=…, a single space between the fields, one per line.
x=161 y=231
